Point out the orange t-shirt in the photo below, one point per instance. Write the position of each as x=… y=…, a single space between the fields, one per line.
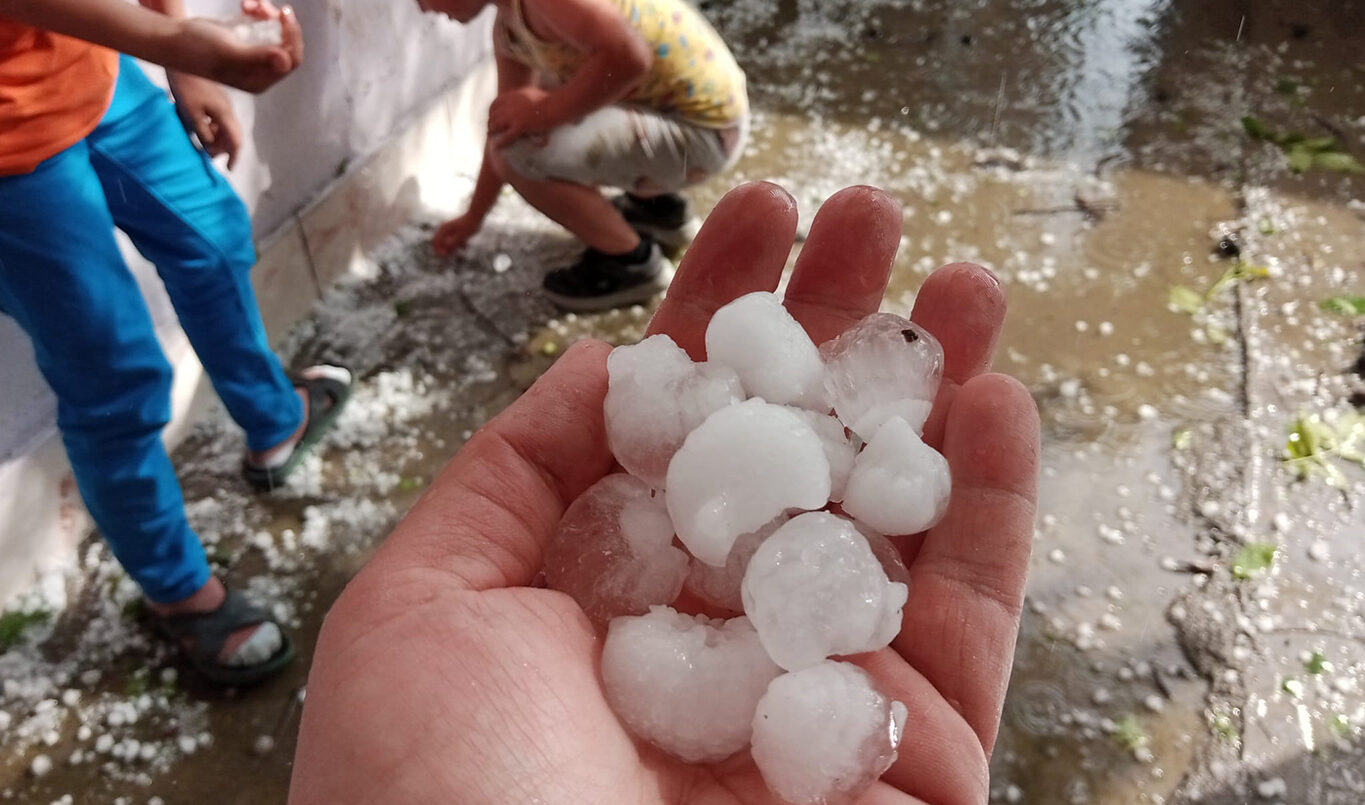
x=53 y=92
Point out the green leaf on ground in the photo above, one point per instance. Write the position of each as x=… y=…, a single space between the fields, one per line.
x=1225 y=727
x=1253 y=559
x=1182 y=438
x=1266 y=227
x=1319 y=144
x=1300 y=159
x=1185 y=300
x=13 y=624
x=409 y=484
x=1316 y=663
x=1340 y=725
x=1286 y=86
x=1129 y=734
x=1345 y=305
x=1338 y=161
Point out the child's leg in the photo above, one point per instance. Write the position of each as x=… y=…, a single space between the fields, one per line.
x=579 y=208
x=62 y=279
x=185 y=218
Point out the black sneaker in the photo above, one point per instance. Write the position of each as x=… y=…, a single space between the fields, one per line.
x=667 y=219
x=603 y=281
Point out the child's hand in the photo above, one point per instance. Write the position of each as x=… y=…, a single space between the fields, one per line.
x=207 y=112
x=210 y=49
x=515 y=114
x=454 y=234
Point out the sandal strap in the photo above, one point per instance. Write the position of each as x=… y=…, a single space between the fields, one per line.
x=209 y=631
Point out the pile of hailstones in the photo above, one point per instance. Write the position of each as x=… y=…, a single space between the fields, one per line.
x=735 y=457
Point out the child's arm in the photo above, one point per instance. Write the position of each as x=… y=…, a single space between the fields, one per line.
x=196 y=46
x=453 y=234
x=619 y=59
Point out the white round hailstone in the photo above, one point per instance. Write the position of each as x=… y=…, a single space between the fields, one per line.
x=883 y=366
x=656 y=395
x=839 y=449
x=746 y=464
x=815 y=589
x=685 y=683
x=719 y=586
x=824 y=733
x=770 y=350
x=899 y=484
x=613 y=551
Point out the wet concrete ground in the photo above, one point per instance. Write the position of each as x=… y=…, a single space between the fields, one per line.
x=1195 y=624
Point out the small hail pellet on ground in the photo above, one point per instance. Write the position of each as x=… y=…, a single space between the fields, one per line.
x=727 y=587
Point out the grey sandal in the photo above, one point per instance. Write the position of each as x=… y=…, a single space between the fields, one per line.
x=203 y=634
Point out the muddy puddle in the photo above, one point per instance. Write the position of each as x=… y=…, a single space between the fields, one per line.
x=1195 y=623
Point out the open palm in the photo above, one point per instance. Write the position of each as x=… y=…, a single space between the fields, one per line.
x=443 y=676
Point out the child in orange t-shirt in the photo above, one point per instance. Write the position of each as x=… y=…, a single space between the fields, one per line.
x=87 y=144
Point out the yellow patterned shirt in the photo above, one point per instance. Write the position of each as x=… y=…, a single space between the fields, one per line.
x=694 y=76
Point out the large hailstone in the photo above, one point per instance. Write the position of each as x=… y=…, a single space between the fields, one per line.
x=613 y=552
x=775 y=358
x=687 y=684
x=899 y=484
x=742 y=467
x=881 y=367
x=656 y=395
x=719 y=586
x=824 y=733
x=815 y=589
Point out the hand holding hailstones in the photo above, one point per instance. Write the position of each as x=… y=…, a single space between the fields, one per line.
x=736 y=456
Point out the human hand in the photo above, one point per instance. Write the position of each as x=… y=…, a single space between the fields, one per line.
x=443 y=675
x=206 y=111
x=210 y=49
x=452 y=235
x=515 y=114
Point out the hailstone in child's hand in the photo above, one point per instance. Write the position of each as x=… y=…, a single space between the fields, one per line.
x=824 y=733
x=613 y=551
x=252 y=31
x=687 y=684
x=656 y=395
x=814 y=589
x=881 y=367
x=742 y=467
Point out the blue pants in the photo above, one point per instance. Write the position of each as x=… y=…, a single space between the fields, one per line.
x=63 y=279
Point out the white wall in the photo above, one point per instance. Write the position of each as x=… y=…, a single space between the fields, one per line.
x=370 y=69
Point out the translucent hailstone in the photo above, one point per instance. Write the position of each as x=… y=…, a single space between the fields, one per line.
x=719 y=586
x=656 y=395
x=687 y=684
x=839 y=449
x=881 y=367
x=815 y=589
x=257 y=32
x=899 y=484
x=775 y=358
x=613 y=551
x=742 y=467
x=824 y=733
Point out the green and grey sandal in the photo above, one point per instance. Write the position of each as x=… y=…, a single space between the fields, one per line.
x=328 y=388
x=203 y=634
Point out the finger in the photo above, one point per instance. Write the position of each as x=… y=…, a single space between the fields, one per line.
x=291 y=38
x=841 y=274
x=967 y=581
x=229 y=138
x=940 y=759
x=963 y=305
x=741 y=248
x=204 y=130
x=487 y=516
